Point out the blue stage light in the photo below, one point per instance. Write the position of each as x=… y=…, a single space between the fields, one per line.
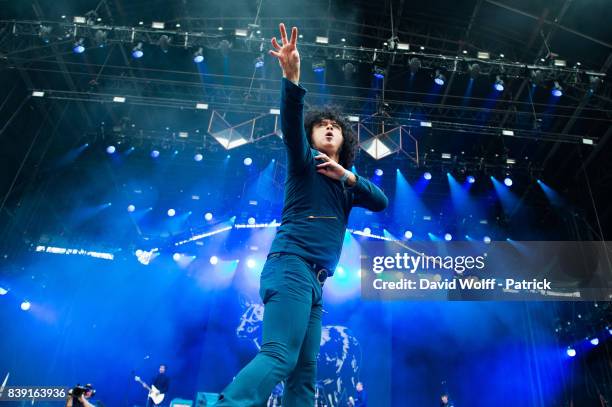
x=137 y=51
x=78 y=47
x=439 y=79
x=259 y=62
x=111 y=149
x=198 y=157
x=248 y=161
x=427 y=176
x=176 y=256
x=379 y=172
x=499 y=84
x=214 y=260
x=208 y=216
x=508 y=181
x=171 y=212
x=408 y=234
x=486 y=239
x=471 y=179
x=251 y=221
x=155 y=153
x=557 y=90
x=594 y=341
x=251 y=263
x=3 y=291
x=571 y=352
x=198 y=56
x=379 y=73
x=131 y=208
x=25 y=305
x=448 y=237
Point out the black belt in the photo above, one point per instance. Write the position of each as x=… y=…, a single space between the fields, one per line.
x=321 y=272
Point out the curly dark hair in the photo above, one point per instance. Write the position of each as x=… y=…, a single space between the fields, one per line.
x=349 y=145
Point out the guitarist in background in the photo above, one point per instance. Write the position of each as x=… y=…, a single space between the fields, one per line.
x=161 y=383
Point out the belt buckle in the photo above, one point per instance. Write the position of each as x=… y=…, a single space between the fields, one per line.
x=322 y=275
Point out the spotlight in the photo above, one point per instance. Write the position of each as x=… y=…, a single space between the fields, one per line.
x=427 y=176
x=594 y=81
x=78 y=47
x=176 y=256
x=251 y=221
x=594 y=341
x=486 y=239
x=198 y=56
x=537 y=77
x=571 y=352
x=248 y=161
x=44 y=32
x=378 y=172
x=101 y=38
x=251 y=263
x=154 y=153
x=131 y=208
x=198 y=157
x=349 y=70
x=214 y=260
x=408 y=234
x=508 y=181
x=415 y=65
x=25 y=305
x=318 y=66
x=224 y=46
x=164 y=43
x=3 y=291
x=259 y=62
x=111 y=149
x=499 y=84
x=557 y=90
x=137 y=51
x=439 y=79
x=379 y=72
x=208 y=216
x=171 y=212
x=367 y=231
x=448 y=237
x=471 y=179
x=474 y=71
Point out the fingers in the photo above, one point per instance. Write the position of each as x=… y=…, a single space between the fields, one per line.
x=275 y=44
x=274 y=53
x=283 y=32
x=294 y=35
x=325 y=164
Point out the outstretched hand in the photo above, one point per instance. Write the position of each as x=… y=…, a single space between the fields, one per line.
x=287 y=54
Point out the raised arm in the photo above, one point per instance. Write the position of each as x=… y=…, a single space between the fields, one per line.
x=367 y=195
x=292 y=101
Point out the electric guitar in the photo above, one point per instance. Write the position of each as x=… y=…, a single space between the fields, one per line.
x=154 y=394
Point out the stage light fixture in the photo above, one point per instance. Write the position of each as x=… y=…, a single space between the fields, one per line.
x=318 y=66
x=137 y=51
x=499 y=84
x=164 y=43
x=414 y=64
x=379 y=72
x=557 y=90
x=439 y=79
x=198 y=56
x=78 y=47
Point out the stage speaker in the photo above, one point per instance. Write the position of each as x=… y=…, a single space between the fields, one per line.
x=181 y=403
x=206 y=399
